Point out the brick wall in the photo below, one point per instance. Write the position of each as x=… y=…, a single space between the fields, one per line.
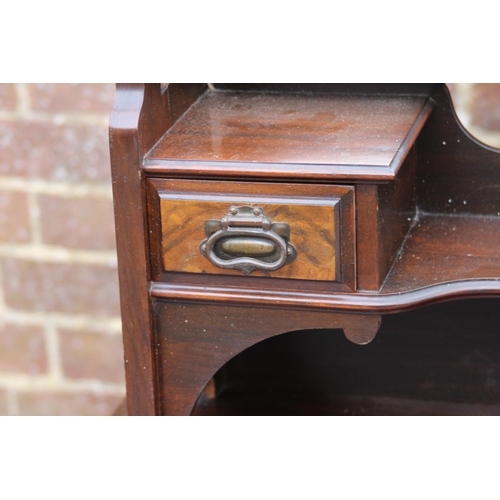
x=60 y=333
x=60 y=342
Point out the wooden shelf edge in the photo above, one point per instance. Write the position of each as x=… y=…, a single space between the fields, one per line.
x=283 y=404
x=156 y=167
x=366 y=303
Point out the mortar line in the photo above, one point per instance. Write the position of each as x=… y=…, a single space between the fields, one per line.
x=54 y=364
x=23 y=101
x=54 y=254
x=58 y=188
x=109 y=326
x=41 y=383
x=24 y=114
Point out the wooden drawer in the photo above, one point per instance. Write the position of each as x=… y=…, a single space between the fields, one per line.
x=315 y=222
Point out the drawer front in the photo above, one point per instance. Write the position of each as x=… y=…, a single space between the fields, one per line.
x=297 y=232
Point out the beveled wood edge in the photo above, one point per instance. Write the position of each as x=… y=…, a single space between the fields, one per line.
x=299 y=172
x=302 y=171
x=364 y=303
x=411 y=137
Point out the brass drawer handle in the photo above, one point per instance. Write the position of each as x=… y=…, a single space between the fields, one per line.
x=247 y=240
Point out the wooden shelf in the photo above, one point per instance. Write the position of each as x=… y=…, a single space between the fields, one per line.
x=445 y=249
x=293 y=404
x=291 y=128
x=335 y=135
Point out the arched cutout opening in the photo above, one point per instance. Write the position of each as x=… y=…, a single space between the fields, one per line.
x=478 y=108
x=439 y=360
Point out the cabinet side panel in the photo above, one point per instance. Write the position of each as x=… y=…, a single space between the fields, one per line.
x=396 y=212
x=367 y=237
x=384 y=214
x=132 y=248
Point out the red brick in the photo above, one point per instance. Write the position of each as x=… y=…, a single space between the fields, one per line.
x=4 y=408
x=485 y=106
x=67 y=403
x=72 y=97
x=92 y=355
x=8 y=96
x=86 y=223
x=14 y=217
x=22 y=349
x=72 y=153
x=61 y=287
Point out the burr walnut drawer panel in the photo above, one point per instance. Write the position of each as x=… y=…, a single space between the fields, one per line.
x=290 y=231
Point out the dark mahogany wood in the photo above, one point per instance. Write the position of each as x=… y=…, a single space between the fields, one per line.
x=306 y=137
x=133 y=251
x=437 y=360
x=141 y=114
x=411 y=89
x=313 y=235
x=384 y=214
x=194 y=341
x=425 y=204
x=291 y=128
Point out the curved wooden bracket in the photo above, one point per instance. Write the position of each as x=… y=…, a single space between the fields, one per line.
x=195 y=340
x=364 y=330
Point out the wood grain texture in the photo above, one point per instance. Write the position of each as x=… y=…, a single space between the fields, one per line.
x=384 y=214
x=133 y=261
x=396 y=213
x=163 y=107
x=291 y=129
x=445 y=249
x=317 y=217
x=313 y=233
x=136 y=123
x=368 y=237
x=194 y=341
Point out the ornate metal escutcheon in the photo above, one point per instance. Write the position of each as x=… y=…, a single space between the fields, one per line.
x=247 y=240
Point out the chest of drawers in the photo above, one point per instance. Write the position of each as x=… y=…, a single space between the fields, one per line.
x=248 y=211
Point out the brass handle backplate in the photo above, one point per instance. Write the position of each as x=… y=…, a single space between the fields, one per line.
x=247 y=240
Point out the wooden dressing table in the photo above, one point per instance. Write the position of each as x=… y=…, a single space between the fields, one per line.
x=246 y=211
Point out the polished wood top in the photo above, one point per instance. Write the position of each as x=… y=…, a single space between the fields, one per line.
x=291 y=128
